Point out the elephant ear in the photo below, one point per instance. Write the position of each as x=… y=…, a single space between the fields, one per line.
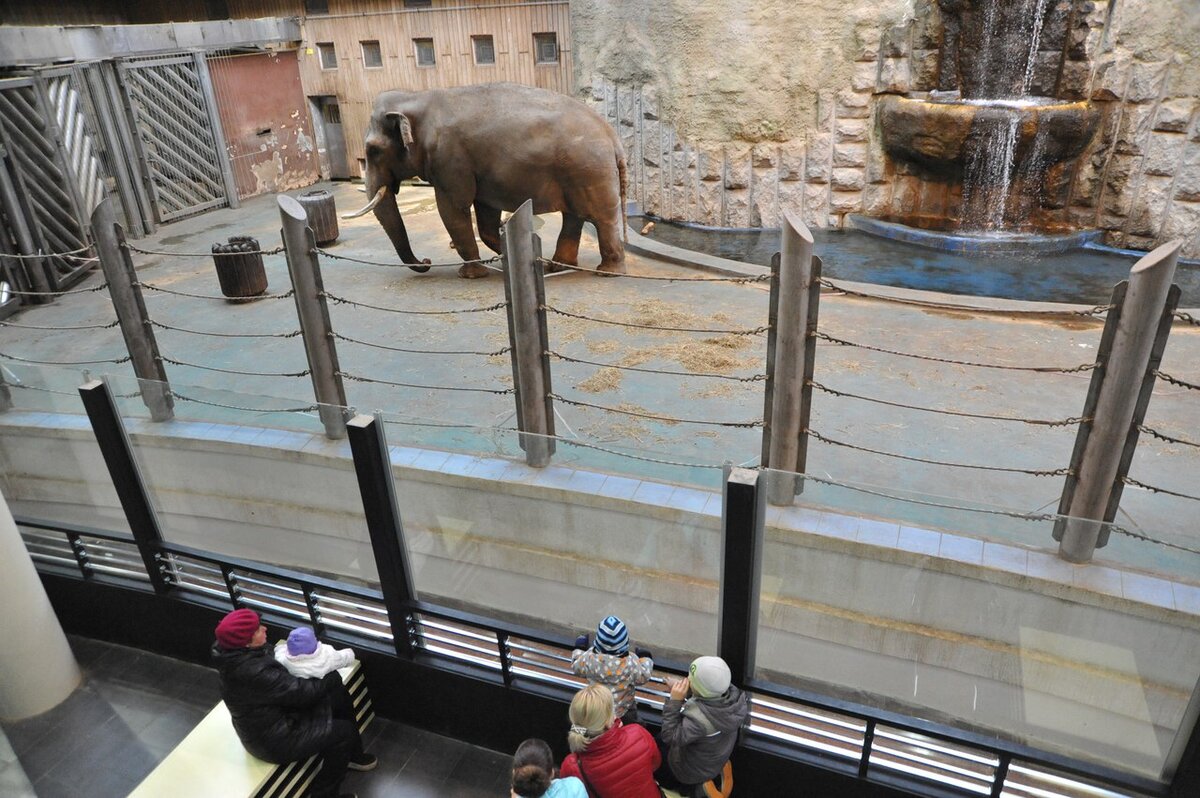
x=398 y=126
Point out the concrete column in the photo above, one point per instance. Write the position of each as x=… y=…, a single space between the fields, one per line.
x=37 y=668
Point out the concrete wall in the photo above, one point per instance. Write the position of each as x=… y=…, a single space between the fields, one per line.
x=733 y=111
x=1007 y=638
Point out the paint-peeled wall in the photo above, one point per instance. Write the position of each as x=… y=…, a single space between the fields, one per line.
x=265 y=117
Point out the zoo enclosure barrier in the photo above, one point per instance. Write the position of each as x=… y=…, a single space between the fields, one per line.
x=859 y=740
x=1098 y=469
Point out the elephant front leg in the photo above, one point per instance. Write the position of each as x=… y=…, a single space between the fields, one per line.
x=462 y=236
x=487 y=219
x=567 y=249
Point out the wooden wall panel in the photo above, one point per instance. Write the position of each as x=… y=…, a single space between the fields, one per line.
x=511 y=25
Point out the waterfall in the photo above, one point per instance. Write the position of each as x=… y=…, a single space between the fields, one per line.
x=1039 y=18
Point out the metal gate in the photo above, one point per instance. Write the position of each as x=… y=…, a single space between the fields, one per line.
x=175 y=119
x=51 y=180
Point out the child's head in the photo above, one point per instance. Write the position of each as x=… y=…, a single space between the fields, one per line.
x=709 y=677
x=612 y=637
x=301 y=640
x=533 y=769
x=591 y=715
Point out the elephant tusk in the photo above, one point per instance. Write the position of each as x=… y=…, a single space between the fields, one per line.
x=370 y=206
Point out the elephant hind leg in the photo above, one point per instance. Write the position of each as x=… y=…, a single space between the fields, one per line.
x=612 y=250
x=487 y=219
x=567 y=248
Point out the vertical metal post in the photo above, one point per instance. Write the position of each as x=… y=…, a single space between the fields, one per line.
x=106 y=127
x=131 y=312
x=61 y=156
x=34 y=271
x=126 y=477
x=1133 y=346
x=742 y=518
x=309 y=291
x=789 y=332
x=214 y=123
x=131 y=144
x=373 y=466
x=525 y=290
x=6 y=402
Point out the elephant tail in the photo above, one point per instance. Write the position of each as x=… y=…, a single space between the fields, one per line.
x=621 y=177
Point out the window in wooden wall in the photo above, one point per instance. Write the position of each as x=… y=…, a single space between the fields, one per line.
x=316 y=7
x=328 y=55
x=485 y=50
x=418 y=3
x=425 y=54
x=372 y=55
x=545 y=48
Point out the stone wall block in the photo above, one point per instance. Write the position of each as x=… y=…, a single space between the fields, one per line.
x=847 y=179
x=927 y=25
x=923 y=70
x=845 y=202
x=737 y=208
x=894 y=42
x=1148 y=210
x=894 y=76
x=875 y=199
x=826 y=105
x=852 y=130
x=791 y=198
x=791 y=161
x=850 y=154
x=1133 y=130
x=651 y=143
x=816 y=205
x=650 y=102
x=1184 y=222
x=1073 y=82
x=709 y=203
x=1045 y=72
x=1054 y=25
x=1173 y=115
x=710 y=163
x=737 y=166
x=867 y=37
x=906 y=195
x=1088 y=182
x=627 y=105
x=820 y=150
x=1164 y=153
x=1111 y=76
x=853 y=104
x=683 y=201
x=765 y=211
x=1144 y=243
x=764 y=155
x=1145 y=82
x=864 y=76
x=680 y=174
x=1187 y=183
x=653 y=196
x=1082 y=218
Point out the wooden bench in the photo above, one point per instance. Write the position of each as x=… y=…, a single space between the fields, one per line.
x=211 y=761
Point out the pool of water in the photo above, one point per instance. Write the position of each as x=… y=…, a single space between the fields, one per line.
x=1082 y=276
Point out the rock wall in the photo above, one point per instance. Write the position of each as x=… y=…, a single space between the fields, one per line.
x=733 y=112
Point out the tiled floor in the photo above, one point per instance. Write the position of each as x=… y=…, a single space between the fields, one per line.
x=134 y=707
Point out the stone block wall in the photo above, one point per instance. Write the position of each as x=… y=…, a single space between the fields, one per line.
x=1139 y=180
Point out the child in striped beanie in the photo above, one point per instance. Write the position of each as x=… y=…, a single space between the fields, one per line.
x=608 y=661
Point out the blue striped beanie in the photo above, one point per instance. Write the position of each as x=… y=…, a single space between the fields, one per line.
x=612 y=637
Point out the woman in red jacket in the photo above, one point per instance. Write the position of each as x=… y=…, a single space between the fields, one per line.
x=611 y=759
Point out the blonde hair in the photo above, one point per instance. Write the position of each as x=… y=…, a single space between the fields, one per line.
x=591 y=715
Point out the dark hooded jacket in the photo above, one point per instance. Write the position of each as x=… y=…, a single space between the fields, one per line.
x=278 y=717
x=700 y=746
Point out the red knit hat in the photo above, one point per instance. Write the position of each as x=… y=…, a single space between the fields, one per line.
x=237 y=629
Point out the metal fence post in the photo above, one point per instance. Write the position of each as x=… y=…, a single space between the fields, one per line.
x=374 y=469
x=742 y=516
x=131 y=312
x=309 y=291
x=785 y=412
x=218 y=132
x=525 y=290
x=126 y=476
x=1114 y=423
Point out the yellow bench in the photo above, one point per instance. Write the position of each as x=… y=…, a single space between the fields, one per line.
x=211 y=761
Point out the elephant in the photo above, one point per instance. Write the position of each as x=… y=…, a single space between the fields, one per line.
x=492 y=147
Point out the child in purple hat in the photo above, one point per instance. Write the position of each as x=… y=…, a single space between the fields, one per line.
x=304 y=656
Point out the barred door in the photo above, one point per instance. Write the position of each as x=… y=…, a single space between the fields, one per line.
x=181 y=154
x=47 y=210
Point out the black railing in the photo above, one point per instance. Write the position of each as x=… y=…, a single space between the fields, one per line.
x=845 y=736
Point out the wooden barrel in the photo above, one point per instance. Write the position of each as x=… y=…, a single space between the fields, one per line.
x=240 y=267
x=322 y=215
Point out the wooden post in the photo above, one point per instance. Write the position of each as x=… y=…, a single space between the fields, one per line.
x=785 y=414
x=1125 y=372
x=309 y=291
x=525 y=290
x=131 y=312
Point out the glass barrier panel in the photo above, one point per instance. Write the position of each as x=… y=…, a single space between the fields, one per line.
x=242 y=482
x=561 y=547
x=977 y=631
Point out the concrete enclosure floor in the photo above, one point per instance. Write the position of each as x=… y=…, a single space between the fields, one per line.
x=722 y=404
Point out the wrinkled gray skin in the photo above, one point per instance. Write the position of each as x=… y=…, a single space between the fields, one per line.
x=492 y=147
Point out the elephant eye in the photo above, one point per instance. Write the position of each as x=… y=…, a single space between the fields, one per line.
x=373 y=151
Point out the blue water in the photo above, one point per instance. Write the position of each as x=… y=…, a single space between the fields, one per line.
x=1082 y=276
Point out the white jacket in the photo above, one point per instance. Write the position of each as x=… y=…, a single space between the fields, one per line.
x=315 y=665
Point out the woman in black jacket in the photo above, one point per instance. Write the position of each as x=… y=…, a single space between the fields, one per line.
x=279 y=717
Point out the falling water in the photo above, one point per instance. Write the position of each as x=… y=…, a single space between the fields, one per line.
x=988 y=175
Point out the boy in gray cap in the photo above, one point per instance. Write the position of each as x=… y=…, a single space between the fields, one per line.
x=699 y=733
